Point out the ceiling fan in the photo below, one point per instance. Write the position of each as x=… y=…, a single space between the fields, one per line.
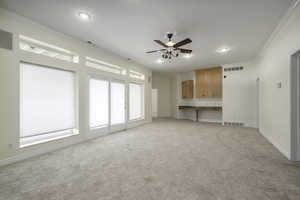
x=171 y=49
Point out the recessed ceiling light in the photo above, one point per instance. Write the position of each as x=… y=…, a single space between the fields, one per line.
x=187 y=55
x=159 y=61
x=84 y=16
x=223 y=50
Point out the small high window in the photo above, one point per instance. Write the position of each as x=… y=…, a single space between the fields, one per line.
x=43 y=48
x=136 y=75
x=104 y=66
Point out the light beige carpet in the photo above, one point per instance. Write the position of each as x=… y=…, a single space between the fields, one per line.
x=165 y=160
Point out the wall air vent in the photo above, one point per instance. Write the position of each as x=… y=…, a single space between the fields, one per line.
x=233 y=68
x=233 y=124
x=6 y=40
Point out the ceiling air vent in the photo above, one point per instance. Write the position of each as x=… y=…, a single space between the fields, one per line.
x=239 y=68
x=6 y=40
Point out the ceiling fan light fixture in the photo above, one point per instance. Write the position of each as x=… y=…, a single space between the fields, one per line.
x=159 y=61
x=170 y=43
x=187 y=55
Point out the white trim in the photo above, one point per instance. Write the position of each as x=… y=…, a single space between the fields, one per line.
x=294 y=90
x=277 y=146
x=28 y=144
x=210 y=121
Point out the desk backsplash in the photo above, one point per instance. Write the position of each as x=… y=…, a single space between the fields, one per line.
x=202 y=102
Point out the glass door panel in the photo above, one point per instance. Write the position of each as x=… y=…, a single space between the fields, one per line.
x=99 y=103
x=117 y=105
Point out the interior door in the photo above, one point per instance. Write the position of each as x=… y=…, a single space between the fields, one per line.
x=154 y=102
x=117 y=106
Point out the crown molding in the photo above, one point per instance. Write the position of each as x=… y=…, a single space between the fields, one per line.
x=283 y=22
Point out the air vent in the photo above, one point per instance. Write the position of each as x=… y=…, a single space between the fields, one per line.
x=234 y=68
x=6 y=40
x=233 y=124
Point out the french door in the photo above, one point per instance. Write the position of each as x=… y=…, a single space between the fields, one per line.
x=107 y=105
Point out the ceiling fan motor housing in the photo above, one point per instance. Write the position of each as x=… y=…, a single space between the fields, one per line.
x=170 y=35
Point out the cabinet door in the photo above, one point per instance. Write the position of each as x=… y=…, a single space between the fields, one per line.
x=209 y=83
x=216 y=82
x=200 y=84
x=183 y=90
x=187 y=89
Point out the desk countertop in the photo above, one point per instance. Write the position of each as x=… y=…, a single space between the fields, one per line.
x=198 y=106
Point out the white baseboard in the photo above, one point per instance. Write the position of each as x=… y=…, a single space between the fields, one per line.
x=44 y=150
x=211 y=121
x=277 y=146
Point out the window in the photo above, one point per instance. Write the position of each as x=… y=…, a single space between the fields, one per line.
x=99 y=103
x=104 y=66
x=136 y=101
x=43 y=48
x=47 y=104
x=136 y=75
x=117 y=106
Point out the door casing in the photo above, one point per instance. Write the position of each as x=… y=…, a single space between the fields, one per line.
x=295 y=106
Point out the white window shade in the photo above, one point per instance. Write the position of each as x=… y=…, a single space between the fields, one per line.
x=47 y=100
x=117 y=103
x=99 y=103
x=136 y=101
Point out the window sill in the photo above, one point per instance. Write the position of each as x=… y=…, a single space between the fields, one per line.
x=98 y=127
x=32 y=142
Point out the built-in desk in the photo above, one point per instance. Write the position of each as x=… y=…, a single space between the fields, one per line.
x=198 y=108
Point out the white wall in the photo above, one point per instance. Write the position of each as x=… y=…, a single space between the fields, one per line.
x=9 y=85
x=239 y=95
x=273 y=65
x=163 y=85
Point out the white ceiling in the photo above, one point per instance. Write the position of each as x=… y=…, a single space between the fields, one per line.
x=128 y=27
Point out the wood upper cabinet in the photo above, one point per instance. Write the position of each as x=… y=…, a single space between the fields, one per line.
x=187 y=89
x=209 y=83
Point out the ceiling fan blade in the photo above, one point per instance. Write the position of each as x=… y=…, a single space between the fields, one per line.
x=183 y=42
x=161 y=43
x=185 y=50
x=156 y=51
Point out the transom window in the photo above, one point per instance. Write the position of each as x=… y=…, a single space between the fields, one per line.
x=104 y=66
x=43 y=48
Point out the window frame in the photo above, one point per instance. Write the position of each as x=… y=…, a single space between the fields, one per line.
x=75 y=130
x=123 y=71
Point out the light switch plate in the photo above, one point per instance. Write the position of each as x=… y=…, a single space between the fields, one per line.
x=279 y=85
